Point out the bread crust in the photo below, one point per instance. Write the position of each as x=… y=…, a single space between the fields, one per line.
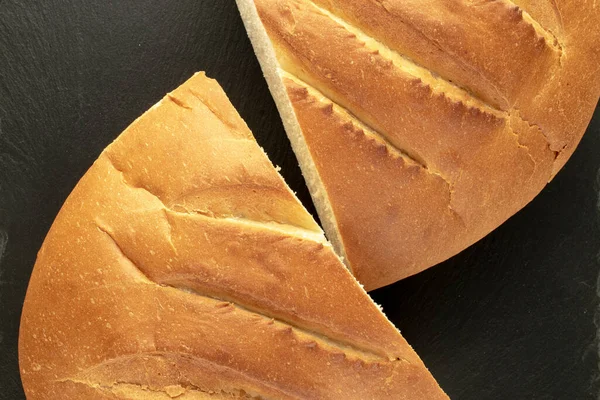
x=469 y=92
x=182 y=266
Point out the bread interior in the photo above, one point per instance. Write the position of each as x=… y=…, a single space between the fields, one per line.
x=273 y=74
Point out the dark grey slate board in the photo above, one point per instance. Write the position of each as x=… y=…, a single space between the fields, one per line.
x=513 y=317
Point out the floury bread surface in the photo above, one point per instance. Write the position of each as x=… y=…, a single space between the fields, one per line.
x=182 y=266
x=421 y=126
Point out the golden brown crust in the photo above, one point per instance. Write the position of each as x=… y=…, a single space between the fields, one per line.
x=156 y=281
x=489 y=48
x=564 y=105
x=383 y=173
x=464 y=89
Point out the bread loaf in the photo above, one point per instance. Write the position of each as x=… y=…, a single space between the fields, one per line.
x=421 y=126
x=182 y=266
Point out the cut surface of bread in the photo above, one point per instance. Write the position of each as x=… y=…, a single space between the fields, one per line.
x=422 y=126
x=182 y=266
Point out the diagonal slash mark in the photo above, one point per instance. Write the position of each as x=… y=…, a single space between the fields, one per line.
x=343 y=346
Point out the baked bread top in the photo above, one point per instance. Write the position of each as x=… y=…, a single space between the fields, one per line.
x=423 y=125
x=182 y=266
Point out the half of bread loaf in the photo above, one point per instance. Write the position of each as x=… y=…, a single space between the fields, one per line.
x=182 y=266
x=420 y=126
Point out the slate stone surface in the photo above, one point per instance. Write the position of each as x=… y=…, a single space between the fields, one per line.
x=512 y=317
